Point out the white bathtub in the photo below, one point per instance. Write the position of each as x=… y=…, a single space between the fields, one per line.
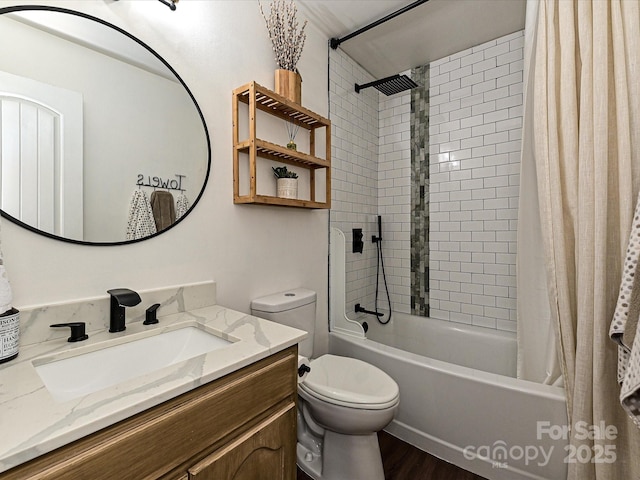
x=459 y=399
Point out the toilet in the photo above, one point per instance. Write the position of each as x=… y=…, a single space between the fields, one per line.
x=343 y=402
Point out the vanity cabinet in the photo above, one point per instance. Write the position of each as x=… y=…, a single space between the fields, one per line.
x=241 y=426
x=261 y=452
x=259 y=98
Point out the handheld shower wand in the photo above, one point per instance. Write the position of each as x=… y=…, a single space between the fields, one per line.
x=358 y=308
x=377 y=239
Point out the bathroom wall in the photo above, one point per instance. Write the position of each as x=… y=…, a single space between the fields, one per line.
x=394 y=198
x=371 y=176
x=248 y=250
x=475 y=110
x=354 y=184
x=474 y=145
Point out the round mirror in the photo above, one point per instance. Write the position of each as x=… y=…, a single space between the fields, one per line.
x=102 y=143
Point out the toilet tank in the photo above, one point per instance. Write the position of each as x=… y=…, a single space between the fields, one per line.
x=295 y=308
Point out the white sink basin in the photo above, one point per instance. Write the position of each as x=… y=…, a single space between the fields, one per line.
x=92 y=371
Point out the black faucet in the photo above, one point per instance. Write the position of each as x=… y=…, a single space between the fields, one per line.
x=120 y=298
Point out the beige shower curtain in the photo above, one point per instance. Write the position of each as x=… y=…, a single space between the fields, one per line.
x=587 y=148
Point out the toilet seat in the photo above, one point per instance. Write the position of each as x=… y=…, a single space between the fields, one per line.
x=350 y=382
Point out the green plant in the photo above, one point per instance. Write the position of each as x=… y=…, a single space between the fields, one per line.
x=282 y=172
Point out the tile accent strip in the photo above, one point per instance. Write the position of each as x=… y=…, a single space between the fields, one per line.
x=420 y=192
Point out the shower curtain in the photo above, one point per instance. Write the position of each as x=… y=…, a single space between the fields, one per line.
x=586 y=105
x=537 y=354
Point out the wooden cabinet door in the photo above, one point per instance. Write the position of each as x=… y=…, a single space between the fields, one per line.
x=265 y=452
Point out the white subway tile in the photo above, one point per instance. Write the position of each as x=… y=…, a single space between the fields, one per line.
x=484 y=46
x=450 y=106
x=498 y=72
x=497 y=138
x=471 y=121
x=499 y=49
x=449 y=66
x=512 y=56
x=472 y=309
x=517 y=43
x=509 y=79
x=471 y=101
x=460 y=72
x=482 y=151
x=471 y=59
x=463 y=113
x=483 y=65
x=496 y=94
x=483 y=193
x=488 y=85
x=507 y=147
x=483 y=129
x=468 y=143
x=471 y=80
x=501 y=159
x=484 y=300
x=485 y=107
x=450 y=145
x=459 y=174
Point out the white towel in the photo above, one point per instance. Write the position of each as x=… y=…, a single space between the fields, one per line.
x=6 y=296
x=182 y=205
x=624 y=327
x=141 y=223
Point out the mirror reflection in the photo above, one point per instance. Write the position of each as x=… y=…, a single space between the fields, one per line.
x=101 y=142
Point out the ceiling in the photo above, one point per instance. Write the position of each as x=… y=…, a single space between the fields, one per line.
x=425 y=33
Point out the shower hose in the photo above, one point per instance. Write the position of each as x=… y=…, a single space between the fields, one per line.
x=384 y=277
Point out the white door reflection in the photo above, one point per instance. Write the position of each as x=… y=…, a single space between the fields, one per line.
x=41 y=165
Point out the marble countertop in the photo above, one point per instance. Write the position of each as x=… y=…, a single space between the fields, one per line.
x=33 y=423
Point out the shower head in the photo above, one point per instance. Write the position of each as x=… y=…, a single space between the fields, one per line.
x=390 y=85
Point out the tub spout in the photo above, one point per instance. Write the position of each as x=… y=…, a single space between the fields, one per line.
x=360 y=309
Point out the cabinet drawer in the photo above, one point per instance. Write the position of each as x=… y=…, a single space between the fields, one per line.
x=160 y=439
x=264 y=452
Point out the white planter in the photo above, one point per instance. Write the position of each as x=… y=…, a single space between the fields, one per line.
x=287 y=187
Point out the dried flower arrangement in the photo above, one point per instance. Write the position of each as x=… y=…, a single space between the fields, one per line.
x=286 y=39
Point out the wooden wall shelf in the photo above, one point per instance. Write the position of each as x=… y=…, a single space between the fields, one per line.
x=261 y=98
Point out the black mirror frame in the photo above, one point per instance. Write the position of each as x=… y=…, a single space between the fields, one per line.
x=18 y=8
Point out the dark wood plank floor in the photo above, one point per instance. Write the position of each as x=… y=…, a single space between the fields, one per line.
x=402 y=461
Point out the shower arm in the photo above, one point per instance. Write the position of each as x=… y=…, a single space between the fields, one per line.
x=335 y=42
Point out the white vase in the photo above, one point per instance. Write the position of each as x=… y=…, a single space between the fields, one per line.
x=287 y=187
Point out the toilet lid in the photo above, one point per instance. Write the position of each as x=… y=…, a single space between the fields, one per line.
x=350 y=382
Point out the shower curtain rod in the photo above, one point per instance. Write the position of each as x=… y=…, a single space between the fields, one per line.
x=335 y=42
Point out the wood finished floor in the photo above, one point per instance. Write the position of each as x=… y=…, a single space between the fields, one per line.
x=402 y=461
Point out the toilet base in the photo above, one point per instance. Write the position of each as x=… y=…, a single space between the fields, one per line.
x=344 y=457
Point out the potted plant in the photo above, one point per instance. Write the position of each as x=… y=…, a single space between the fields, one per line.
x=286 y=182
x=287 y=41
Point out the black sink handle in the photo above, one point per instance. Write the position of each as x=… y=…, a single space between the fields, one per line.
x=150 y=314
x=77 y=331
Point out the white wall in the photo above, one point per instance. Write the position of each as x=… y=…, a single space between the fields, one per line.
x=354 y=183
x=475 y=118
x=475 y=122
x=394 y=197
x=249 y=251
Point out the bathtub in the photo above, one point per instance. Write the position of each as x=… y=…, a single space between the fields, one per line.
x=460 y=400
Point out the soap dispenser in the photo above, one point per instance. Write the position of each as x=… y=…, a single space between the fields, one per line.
x=9 y=319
